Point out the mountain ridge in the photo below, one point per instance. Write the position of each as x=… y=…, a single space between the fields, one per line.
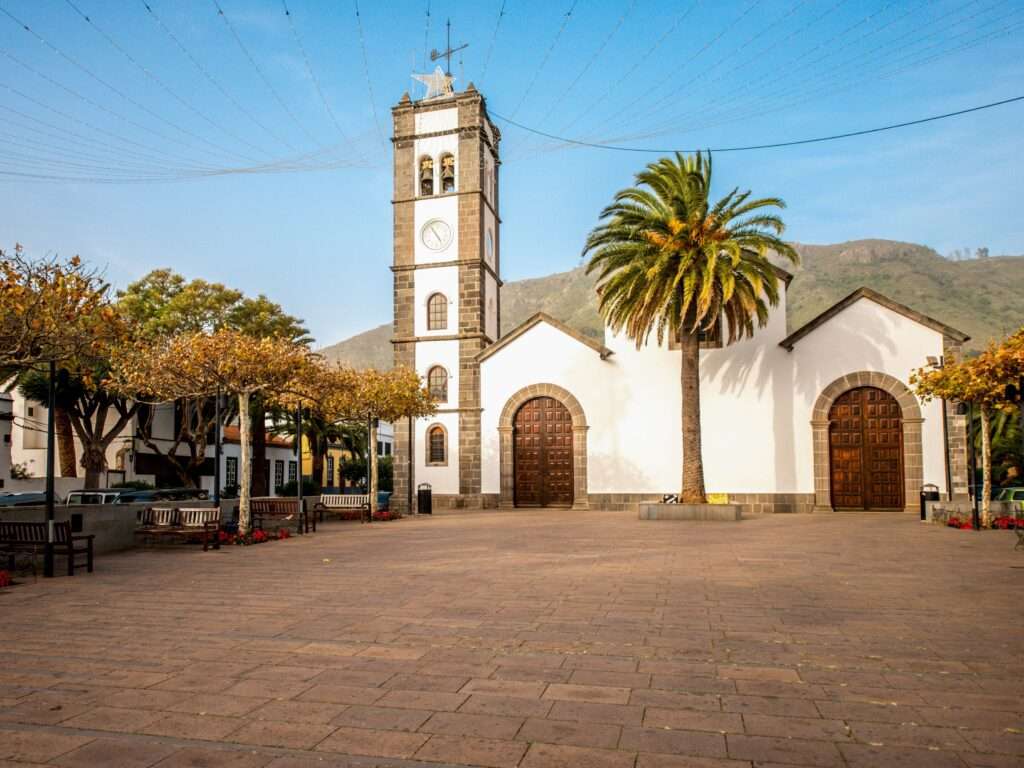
x=982 y=297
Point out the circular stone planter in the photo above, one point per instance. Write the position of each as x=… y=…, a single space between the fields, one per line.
x=723 y=513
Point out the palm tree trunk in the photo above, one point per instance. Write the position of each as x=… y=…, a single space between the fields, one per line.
x=689 y=379
x=245 y=450
x=65 y=442
x=94 y=461
x=986 y=467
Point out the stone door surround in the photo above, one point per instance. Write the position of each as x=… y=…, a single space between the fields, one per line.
x=506 y=497
x=910 y=419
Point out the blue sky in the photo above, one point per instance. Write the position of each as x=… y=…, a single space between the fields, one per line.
x=646 y=73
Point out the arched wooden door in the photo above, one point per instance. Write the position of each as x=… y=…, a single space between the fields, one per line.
x=866 y=450
x=542 y=454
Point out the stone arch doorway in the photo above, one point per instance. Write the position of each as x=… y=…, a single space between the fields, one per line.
x=866 y=450
x=550 y=412
x=900 y=404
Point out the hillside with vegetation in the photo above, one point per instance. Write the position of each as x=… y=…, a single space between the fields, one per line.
x=983 y=297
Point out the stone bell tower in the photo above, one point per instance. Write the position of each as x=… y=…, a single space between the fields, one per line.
x=446 y=284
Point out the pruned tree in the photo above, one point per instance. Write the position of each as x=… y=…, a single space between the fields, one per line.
x=198 y=365
x=980 y=380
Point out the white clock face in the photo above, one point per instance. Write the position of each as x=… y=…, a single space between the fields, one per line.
x=436 y=235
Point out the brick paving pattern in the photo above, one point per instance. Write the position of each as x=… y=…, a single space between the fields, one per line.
x=529 y=640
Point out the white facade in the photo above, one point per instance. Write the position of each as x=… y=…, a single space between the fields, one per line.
x=6 y=418
x=757 y=398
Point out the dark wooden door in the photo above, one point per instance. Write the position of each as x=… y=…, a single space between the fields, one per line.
x=542 y=460
x=866 y=450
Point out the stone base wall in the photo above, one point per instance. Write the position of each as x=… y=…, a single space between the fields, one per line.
x=443 y=501
x=773 y=503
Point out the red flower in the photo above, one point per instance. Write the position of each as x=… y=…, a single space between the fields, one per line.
x=5 y=579
x=283 y=533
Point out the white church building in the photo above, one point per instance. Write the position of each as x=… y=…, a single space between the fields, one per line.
x=818 y=419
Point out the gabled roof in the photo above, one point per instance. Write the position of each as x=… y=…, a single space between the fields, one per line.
x=866 y=293
x=543 y=317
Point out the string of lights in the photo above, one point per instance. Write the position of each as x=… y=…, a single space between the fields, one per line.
x=547 y=55
x=366 y=73
x=262 y=75
x=205 y=72
x=151 y=75
x=490 y=47
x=93 y=76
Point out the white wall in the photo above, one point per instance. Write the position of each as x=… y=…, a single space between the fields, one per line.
x=445 y=208
x=756 y=400
x=491 y=307
x=6 y=407
x=445 y=354
x=437 y=120
x=443 y=479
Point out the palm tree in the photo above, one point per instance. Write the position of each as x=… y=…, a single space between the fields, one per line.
x=669 y=261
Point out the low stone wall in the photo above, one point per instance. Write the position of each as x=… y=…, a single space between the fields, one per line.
x=752 y=503
x=113 y=525
x=719 y=513
x=940 y=511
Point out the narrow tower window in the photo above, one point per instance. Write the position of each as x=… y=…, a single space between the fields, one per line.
x=437 y=312
x=437 y=449
x=437 y=383
x=426 y=176
x=447 y=173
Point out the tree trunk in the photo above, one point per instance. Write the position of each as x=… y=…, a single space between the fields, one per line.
x=689 y=379
x=986 y=467
x=316 y=451
x=260 y=481
x=94 y=461
x=245 y=449
x=65 y=442
x=371 y=468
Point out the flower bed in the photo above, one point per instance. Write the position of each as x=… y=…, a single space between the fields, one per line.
x=1003 y=523
x=5 y=579
x=256 y=536
x=357 y=514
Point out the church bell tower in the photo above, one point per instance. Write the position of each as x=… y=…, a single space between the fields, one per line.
x=446 y=285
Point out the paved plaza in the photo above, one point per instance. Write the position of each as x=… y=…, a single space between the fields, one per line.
x=540 y=639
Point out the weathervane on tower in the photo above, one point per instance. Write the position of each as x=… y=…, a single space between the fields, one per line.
x=439 y=82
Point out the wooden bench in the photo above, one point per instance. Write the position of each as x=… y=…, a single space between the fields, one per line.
x=31 y=537
x=182 y=523
x=344 y=503
x=276 y=508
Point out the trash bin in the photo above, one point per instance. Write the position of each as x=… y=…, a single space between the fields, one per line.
x=424 y=499
x=929 y=492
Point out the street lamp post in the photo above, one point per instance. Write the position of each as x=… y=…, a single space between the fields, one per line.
x=51 y=439
x=216 y=450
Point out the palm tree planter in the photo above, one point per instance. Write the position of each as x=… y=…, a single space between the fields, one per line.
x=670 y=262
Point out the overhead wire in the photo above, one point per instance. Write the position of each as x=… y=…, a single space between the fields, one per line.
x=205 y=72
x=92 y=75
x=603 y=96
x=855 y=64
x=752 y=147
x=311 y=73
x=547 y=55
x=494 y=38
x=560 y=100
x=366 y=73
x=426 y=37
x=262 y=75
x=149 y=73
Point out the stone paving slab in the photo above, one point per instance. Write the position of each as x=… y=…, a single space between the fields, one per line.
x=532 y=639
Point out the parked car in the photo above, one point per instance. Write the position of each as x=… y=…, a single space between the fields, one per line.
x=93 y=496
x=1010 y=494
x=25 y=499
x=163 y=494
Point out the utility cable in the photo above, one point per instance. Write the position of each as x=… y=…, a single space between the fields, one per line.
x=366 y=73
x=777 y=145
x=547 y=55
x=494 y=38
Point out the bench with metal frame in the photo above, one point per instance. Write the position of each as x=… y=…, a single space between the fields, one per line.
x=343 y=503
x=31 y=537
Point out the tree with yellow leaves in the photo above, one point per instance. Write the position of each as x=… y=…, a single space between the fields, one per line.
x=340 y=393
x=981 y=380
x=203 y=364
x=51 y=311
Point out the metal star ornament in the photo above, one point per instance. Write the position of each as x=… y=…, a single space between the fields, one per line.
x=437 y=82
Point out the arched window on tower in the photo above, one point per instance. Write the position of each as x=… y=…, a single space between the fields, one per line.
x=426 y=175
x=447 y=173
x=437 y=445
x=437 y=383
x=437 y=312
